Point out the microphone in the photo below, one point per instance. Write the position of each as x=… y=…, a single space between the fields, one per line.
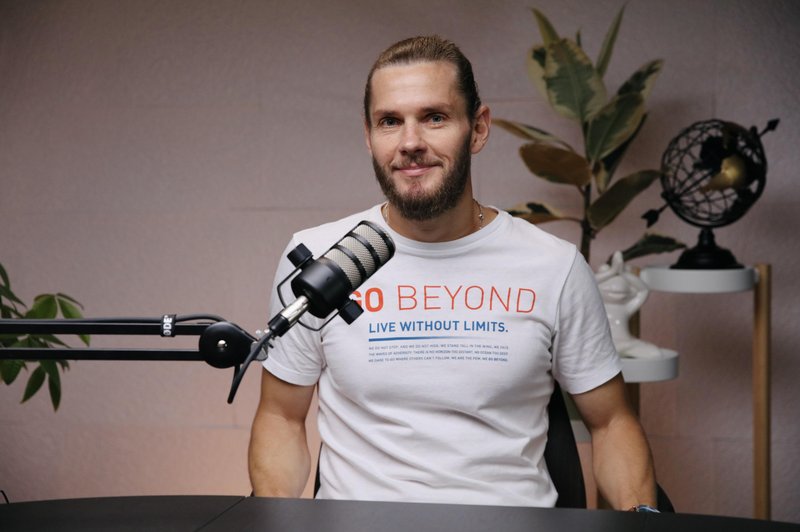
x=325 y=284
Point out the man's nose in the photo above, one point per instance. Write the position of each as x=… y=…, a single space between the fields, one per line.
x=412 y=140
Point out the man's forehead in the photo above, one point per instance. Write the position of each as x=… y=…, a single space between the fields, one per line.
x=416 y=80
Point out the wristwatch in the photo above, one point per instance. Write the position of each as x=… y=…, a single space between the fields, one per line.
x=644 y=508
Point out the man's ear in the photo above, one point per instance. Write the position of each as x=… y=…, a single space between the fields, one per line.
x=480 y=129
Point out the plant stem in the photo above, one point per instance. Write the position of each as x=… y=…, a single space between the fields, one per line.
x=586 y=227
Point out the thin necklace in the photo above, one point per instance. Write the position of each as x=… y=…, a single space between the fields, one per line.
x=480 y=214
x=385 y=213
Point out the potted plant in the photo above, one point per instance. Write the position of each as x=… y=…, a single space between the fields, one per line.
x=573 y=86
x=45 y=306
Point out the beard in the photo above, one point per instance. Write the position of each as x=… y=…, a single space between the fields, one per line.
x=420 y=205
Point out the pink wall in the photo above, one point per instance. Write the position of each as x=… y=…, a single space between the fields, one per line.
x=155 y=156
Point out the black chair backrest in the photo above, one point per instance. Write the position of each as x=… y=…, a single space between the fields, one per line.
x=561 y=455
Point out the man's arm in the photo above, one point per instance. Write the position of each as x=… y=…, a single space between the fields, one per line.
x=622 y=463
x=279 y=460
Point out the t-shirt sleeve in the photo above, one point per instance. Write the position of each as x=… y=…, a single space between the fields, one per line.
x=296 y=357
x=584 y=356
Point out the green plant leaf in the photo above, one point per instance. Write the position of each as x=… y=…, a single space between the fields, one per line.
x=546 y=29
x=7 y=340
x=34 y=383
x=605 y=208
x=48 y=340
x=53 y=381
x=535 y=62
x=574 y=88
x=604 y=57
x=69 y=309
x=70 y=299
x=649 y=244
x=4 y=275
x=31 y=340
x=604 y=169
x=556 y=164
x=524 y=131
x=44 y=307
x=613 y=125
x=536 y=213
x=8 y=312
x=642 y=80
x=54 y=388
x=9 y=370
x=6 y=292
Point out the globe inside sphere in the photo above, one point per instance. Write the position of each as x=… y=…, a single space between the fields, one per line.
x=713 y=172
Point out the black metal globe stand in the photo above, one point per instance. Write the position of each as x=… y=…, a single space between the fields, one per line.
x=706 y=255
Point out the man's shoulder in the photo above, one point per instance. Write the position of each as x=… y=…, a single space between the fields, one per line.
x=529 y=236
x=321 y=237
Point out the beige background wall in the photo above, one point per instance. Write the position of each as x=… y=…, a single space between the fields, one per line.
x=155 y=156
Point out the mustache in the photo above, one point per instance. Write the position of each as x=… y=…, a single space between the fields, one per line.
x=414 y=160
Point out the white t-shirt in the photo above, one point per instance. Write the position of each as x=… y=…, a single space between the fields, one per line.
x=438 y=392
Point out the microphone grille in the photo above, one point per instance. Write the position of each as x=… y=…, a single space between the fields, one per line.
x=361 y=252
x=347 y=263
x=378 y=239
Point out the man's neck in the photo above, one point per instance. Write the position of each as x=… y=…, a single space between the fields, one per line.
x=465 y=218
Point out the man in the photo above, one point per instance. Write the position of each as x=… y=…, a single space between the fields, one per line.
x=438 y=392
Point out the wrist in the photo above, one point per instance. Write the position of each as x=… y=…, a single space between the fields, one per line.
x=644 y=508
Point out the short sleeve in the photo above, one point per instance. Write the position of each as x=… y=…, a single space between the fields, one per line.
x=296 y=357
x=584 y=356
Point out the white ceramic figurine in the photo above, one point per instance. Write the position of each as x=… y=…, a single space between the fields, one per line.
x=623 y=293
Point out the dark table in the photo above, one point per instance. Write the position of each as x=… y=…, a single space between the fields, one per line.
x=210 y=513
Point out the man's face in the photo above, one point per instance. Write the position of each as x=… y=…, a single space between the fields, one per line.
x=420 y=137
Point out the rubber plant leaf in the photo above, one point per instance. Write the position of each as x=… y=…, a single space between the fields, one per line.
x=546 y=29
x=535 y=62
x=608 y=205
x=604 y=169
x=527 y=132
x=649 y=244
x=574 y=88
x=613 y=125
x=604 y=57
x=642 y=80
x=556 y=164
x=536 y=213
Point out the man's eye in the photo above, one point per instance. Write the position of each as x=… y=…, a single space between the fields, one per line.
x=437 y=119
x=388 y=122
